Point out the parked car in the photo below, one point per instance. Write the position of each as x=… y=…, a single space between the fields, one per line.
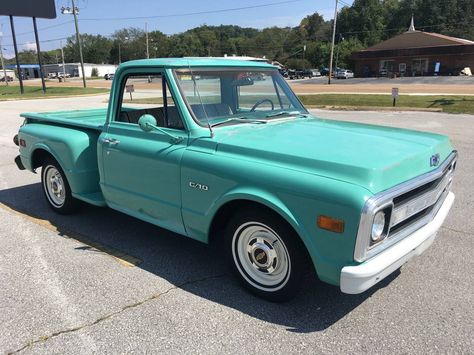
x=109 y=76
x=315 y=72
x=324 y=71
x=344 y=74
x=466 y=71
x=292 y=74
x=8 y=78
x=304 y=73
x=284 y=191
x=63 y=75
x=383 y=73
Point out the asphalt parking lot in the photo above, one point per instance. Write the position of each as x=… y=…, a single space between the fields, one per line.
x=100 y=281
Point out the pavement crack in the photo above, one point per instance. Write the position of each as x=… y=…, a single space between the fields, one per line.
x=456 y=230
x=155 y=296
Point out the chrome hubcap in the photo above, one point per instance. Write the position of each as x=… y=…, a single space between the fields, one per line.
x=55 y=186
x=261 y=256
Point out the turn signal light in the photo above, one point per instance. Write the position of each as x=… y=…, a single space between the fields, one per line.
x=331 y=224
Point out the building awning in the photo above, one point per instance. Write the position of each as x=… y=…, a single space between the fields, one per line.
x=23 y=66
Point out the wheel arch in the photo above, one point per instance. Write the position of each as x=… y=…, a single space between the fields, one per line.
x=39 y=154
x=238 y=200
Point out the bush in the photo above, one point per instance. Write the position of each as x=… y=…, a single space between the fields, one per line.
x=95 y=72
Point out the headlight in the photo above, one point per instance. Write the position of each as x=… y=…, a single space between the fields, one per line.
x=378 y=227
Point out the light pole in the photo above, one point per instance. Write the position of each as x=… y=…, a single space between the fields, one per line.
x=332 y=44
x=338 y=44
x=119 y=49
x=74 y=11
x=147 y=48
x=64 y=65
x=1 y=57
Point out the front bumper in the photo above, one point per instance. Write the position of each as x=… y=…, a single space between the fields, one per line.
x=357 y=279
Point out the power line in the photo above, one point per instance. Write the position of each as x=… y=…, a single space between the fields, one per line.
x=45 y=28
x=192 y=13
x=43 y=41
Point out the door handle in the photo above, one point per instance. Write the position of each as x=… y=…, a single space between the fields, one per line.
x=111 y=141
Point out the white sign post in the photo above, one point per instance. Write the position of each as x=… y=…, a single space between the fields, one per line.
x=130 y=89
x=394 y=95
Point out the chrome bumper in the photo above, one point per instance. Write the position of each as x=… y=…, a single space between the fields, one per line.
x=357 y=279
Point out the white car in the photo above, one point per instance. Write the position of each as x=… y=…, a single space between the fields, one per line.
x=344 y=74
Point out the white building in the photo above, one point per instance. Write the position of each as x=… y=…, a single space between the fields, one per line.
x=74 y=69
x=10 y=73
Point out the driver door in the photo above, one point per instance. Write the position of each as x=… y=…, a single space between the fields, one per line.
x=141 y=170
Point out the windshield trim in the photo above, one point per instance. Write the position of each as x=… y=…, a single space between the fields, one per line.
x=287 y=90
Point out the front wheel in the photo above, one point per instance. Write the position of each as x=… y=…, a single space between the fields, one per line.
x=266 y=254
x=56 y=188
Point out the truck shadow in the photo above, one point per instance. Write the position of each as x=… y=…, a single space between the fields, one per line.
x=187 y=264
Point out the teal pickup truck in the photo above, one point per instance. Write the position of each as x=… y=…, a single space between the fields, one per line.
x=223 y=151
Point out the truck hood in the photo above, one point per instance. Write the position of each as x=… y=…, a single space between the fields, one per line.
x=374 y=157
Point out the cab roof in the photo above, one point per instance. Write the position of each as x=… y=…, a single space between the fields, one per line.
x=195 y=62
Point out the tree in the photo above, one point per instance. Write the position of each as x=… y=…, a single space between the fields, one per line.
x=95 y=49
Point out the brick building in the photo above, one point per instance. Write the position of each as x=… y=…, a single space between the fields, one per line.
x=414 y=53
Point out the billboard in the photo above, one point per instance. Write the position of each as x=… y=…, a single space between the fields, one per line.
x=28 y=8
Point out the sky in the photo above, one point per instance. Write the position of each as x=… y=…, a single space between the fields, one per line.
x=106 y=16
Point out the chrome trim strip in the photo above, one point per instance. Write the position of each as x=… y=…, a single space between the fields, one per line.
x=419 y=203
x=373 y=204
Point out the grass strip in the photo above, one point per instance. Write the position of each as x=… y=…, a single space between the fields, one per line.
x=451 y=104
x=13 y=92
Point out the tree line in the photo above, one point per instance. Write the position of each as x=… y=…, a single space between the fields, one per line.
x=359 y=26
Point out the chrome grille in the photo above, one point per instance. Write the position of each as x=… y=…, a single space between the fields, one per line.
x=414 y=204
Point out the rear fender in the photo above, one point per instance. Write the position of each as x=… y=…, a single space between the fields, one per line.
x=74 y=149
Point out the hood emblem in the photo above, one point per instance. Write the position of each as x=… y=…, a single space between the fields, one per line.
x=434 y=160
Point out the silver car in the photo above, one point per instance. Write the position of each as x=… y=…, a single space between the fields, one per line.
x=344 y=74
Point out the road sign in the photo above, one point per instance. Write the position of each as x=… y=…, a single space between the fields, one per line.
x=28 y=8
x=394 y=93
x=394 y=96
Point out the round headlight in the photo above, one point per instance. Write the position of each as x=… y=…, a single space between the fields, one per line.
x=378 y=226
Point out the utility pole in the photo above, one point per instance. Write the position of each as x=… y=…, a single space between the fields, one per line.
x=15 y=47
x=332 y=44
x=1 y=57
x=64 y=65
x=147 y=48
x=338 y=44
x=79 y=43
x=38 y=52
x=67 y=10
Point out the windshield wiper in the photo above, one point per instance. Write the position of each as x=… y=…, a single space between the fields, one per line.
x=238 y=120
x=284 y=113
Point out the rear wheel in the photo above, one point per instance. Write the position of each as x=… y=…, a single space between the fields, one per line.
x=266 y=254
x=56 y=188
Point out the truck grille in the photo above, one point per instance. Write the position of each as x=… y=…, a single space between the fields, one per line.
x=414 y=204
x=416 y=208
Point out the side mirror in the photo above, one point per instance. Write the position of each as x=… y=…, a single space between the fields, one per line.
x=147 y=122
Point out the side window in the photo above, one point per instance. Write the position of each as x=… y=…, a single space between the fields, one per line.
x=149 y=94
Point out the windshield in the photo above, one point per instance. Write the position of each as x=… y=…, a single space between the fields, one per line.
x=232 y=96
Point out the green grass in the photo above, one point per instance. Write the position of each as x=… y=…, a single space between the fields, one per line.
x=13 y=92
x=451 y=104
